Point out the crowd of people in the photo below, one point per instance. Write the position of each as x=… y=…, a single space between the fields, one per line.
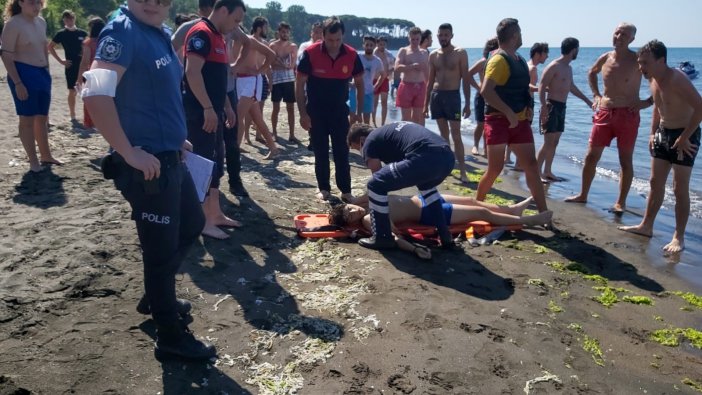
x=155 y=95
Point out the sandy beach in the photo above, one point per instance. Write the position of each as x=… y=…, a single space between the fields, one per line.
x=572 y=310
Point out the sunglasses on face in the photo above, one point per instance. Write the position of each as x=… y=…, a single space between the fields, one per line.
x=164 y=3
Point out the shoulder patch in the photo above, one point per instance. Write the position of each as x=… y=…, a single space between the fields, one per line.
x=109 y=49
x=197 y=43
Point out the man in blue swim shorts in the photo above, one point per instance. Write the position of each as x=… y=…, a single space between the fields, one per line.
x=25 y=56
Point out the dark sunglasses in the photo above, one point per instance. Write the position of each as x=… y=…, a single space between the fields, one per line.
x=164 y=3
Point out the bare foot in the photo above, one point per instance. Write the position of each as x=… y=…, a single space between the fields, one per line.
x=225 y=221
x=272 y=154
x=422 y=252
x=293 y=140
x=637 y=230
x=214 y=232
x=576 y=199
x=36 y=168
x=261 y=140
x=474 y=151
x=518 y=208
x=464 y=178
x=617 y=209
x=538 y=219
x=674 y=246
x=51 y=161
x=323 y=195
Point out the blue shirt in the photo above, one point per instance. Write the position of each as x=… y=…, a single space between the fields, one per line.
x=400 y=140
x=148 y=98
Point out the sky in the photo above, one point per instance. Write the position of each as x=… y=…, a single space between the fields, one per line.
x=674 y=22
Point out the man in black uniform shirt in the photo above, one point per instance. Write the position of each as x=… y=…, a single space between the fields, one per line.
x=71 y=39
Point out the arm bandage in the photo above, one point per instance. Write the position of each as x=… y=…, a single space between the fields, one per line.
x=99 y=82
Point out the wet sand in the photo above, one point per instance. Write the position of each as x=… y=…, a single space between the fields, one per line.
x=327 y=316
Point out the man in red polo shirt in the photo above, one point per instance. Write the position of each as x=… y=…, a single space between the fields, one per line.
x=326 y=67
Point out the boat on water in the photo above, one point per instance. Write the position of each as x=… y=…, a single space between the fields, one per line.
x=689 y=69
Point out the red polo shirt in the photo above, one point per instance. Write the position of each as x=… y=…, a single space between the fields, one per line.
x=328 y=79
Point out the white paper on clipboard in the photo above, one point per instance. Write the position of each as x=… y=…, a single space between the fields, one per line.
x=201 y=171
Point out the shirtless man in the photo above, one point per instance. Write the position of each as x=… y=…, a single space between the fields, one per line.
x=674 y=140
x=616 y=113
x=456 y=209
x=448 y=68
x=479 y=103
x=413 y=62
x=25 y=56
x=283 y=79
x=249 y=84
x=557 y=79
x=426 y=40
x=382 y=92
x=537 y=55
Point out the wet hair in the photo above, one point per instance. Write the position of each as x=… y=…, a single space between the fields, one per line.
x=259 y=21
x=205 y=4
x=506 y=29
x=231 y=5
x=96 y=24
x=538 y=48
x=490 y=45
x=336 y=215
x=68 y=14
x=655 y=48
x=426 y=35
x=333 y=25
x=568 y=44
x=446 y=26
x=358 y=130
x=383 y=39
x=371 y=39
x=414 y=30
x=283 y=25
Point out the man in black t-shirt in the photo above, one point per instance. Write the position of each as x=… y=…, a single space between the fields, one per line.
x=71 y=39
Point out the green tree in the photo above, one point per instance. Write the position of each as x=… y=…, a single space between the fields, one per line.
x=52 y=13
x=100 y=8
x=274 y=14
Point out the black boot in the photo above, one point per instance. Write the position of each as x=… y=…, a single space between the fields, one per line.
x=183 y=307
x=378 y=243
x=175 y=340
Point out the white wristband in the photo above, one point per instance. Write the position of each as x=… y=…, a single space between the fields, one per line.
x=99 y=82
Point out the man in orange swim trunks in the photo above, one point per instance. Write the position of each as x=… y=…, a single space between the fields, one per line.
x=617 y=113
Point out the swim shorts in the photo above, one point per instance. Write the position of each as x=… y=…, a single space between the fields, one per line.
x=411 y=94
x=37 y=81
x=446 y=105
x=610 y=123
x=265 y=88
x=72 y=74
x=284 y=91
x=497 y=131
x=249 y=86
x=383 y=88
x=663 y=141
x=555 y=121
x=427 y=219
x=367 y=102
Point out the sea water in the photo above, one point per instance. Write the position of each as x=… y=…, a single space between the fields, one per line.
x=570 y=154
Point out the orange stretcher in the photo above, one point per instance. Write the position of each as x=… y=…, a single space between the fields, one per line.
x=317 y=226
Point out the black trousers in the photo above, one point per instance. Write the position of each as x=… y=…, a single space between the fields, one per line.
x=232 y=154
x=168 y=218
x=334 y=125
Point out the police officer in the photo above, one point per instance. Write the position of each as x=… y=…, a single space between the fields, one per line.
x=413 y=156
x=133 y=93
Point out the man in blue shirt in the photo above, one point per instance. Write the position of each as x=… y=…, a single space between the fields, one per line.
x=133 y=93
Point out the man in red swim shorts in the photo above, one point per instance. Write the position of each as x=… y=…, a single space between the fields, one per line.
x=413 y=62
x=617 y=113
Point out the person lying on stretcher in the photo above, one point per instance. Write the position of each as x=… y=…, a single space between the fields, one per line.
x=457 y=210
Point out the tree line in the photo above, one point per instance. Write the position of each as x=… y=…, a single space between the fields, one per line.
x=395 y=30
